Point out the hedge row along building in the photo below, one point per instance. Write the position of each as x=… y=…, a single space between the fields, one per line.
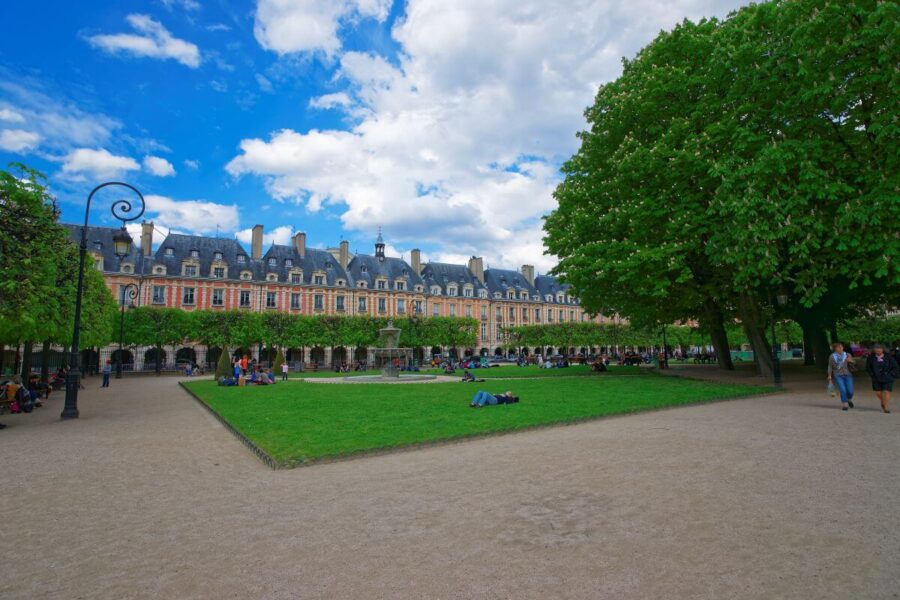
x=196 y=272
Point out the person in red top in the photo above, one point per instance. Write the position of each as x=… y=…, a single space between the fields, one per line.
x=244 y=364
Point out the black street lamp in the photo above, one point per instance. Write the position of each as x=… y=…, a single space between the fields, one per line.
x=120 y=209
x=782 y=299
x=130 y=291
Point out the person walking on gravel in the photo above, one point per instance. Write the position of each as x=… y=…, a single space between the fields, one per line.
x=840 y=364
x=883 y=370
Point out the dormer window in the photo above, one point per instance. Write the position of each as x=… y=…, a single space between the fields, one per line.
x=319 y=279
x=242 y=258
x=549 y=297
x=126 y=269
x=467 y=292
x=288 y=263
x=340 y=282
x=381 y=284
x=401 y=286
x=419 y=288
x=364 y=269
x=536 y=298
x=273 y=262
x=272 y=277
x=510 y=294
x=170 y=252
x=98 y=246
x=362 y=285
x=246 y=275
x=217 y=256
x=195 y=254
x=497 y=295
x=435 y=290
x=482 y=294
x=451 y=291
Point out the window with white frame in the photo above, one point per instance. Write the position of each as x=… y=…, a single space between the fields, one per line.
x=319 y=302
x=436 y=309
x=219 y=272
x=401 y=305
x=401 y=285
x=381 y=284
x=187 y=295
x=245 y=298
x=361 y=305
x=159 y=294
x=296 y=278
x=218 y=297
x=190 y=270
x=339 y=304
x=418 y=307
x=452 y=310
x=382 y=305
x=271 y=300
x=469 y=310
x=295 y=301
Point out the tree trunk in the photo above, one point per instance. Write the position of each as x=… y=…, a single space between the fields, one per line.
x=158 y=355
x=809 y=351
x=834 y=333
x=753 y=320
x=716 y=323
x=821 y=349
x=45 y=362
x=26 y=361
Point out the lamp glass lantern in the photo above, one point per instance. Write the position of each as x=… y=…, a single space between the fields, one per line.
x=122 y=242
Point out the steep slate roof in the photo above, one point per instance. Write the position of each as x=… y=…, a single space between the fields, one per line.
x=547 y=284
x=314 y=260
x=104 y=237
x=182 y=245
x=500 y=280
x=442 y=274
x=391 y=268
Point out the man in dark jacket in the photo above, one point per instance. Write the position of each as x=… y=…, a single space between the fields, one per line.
x=883 y=370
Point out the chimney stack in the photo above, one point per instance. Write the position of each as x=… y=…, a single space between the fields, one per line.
x=344 y=254
x=528 y=273
x=256 y=244
x=476 y=265
x=300 y=244
x=147 y=238
x=415 y=259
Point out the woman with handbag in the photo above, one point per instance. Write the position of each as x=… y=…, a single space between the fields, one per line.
x=883 y=370
x=840 y=374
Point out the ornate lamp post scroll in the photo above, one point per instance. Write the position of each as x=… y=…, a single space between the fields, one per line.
x=121 y=209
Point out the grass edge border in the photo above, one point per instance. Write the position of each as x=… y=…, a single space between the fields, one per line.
x=275 y=464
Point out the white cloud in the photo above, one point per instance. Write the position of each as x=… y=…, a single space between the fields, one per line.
x=218 y=27
x=11 y=116
x=18 y=140
x=188 y=5
x=468 y=129
x=336 y=100
x=158 y=166
x=101 y=164
x=152 y=40
x=264 y=84
x=192 y=164
x=280 y=235
x=60 y=124
x=286 y=26
x=191 y=216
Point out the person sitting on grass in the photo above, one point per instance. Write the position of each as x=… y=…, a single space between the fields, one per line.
x=469 y=378
x=485 y=399
x=448 y=369
x=597 y=366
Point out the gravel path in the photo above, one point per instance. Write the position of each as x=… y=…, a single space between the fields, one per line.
x=147 y=496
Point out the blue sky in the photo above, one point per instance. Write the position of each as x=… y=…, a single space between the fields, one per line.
x=444 y=123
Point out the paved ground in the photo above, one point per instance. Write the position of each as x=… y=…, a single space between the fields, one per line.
x=147 y=496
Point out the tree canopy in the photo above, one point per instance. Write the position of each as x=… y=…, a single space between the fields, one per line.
x=735 y=161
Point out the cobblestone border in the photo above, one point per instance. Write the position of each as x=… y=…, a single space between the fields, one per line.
x=370 y=452
x=262 y=454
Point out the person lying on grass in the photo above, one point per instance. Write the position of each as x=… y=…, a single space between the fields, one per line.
x=468 y=377
x=484 y=398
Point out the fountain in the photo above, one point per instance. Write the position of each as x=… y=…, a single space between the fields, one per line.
x=387 y=358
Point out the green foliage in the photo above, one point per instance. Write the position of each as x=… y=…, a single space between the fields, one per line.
x=733 y=157
x=588 y=334
x=300 y=421
x=874 y=328
x=279 y=360
x=223 y=366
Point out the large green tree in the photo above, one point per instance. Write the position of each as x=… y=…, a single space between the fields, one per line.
x=738 y=161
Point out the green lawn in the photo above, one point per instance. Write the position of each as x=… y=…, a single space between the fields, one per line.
x=295 y=421
x=489 y=373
